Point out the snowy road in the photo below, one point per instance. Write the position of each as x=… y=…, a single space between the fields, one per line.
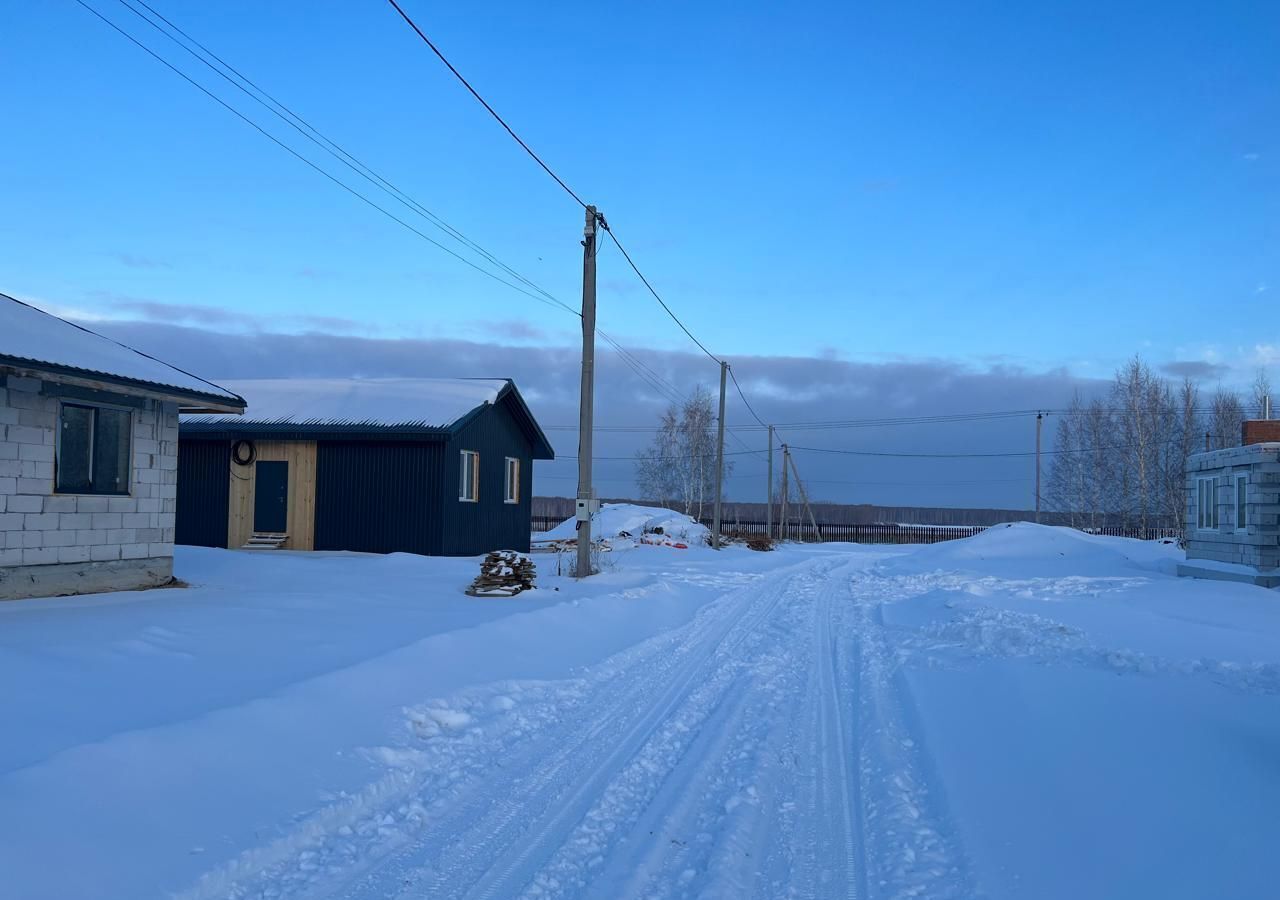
x=1029 y=713
x=726 y=758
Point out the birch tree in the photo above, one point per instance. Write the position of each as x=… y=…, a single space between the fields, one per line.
x=678 y=467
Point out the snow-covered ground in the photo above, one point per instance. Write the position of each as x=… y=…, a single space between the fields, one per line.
x=1030 y=713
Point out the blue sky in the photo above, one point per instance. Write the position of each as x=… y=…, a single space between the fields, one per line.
x=1047 y=187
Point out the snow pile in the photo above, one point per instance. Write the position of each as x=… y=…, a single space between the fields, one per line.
x=1025 y=547
x=621 y=520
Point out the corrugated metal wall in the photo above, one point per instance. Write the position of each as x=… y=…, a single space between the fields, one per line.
x=491 y=524
x=203 y=490
x=378 y=497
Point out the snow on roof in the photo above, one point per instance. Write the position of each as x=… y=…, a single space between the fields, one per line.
x=40 y=338
x=416 y=402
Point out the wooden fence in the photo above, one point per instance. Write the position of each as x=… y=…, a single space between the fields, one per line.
x=873 y=533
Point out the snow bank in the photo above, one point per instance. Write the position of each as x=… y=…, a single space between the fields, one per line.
x=1029 y=549
x=615 y=520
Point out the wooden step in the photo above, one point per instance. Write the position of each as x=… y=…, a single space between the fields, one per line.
x=265 y=540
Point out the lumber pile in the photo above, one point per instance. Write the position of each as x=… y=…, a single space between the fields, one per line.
x=503 y=573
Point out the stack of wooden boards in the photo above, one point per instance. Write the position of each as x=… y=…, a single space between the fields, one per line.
x=503 y=573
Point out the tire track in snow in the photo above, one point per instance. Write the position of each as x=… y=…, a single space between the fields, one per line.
x=911 y=850
x=688 y=699
x=498 y=845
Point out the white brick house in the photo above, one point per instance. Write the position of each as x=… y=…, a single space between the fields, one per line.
x=88 y=457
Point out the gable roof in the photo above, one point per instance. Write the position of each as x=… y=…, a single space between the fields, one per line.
x=32 y=339
x=419 y=408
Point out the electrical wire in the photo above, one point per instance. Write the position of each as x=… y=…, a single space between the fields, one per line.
x=474 y=93
x=311 y=133
x=656 y=295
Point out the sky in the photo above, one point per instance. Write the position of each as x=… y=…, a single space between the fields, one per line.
x=871 y=210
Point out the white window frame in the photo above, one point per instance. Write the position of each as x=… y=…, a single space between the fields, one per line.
x=57 y=448
x=473 y=482
x=1206 y=503
x=511 y=481
x=1241 y=521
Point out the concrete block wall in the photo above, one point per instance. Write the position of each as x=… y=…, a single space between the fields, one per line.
x=39 y=527
x=1258 y=543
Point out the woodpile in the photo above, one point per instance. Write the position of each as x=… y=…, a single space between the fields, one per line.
x=503 y=573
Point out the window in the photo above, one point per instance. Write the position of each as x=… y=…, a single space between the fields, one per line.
x=93 y=450
x=1206 y=504
x=512 y=492
x=469 y=477
x=1242 y=489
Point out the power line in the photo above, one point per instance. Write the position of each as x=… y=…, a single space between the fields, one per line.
x=745 y=401
x=560 y=181
x=474 y=93
x=307 y=162
x=311 y=133
x=656 y=296
x=968 y=455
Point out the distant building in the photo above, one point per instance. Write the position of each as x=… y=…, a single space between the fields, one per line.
x=1233 y=509
x=88 y=457
x=436 y=466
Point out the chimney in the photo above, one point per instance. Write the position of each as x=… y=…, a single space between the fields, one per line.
x=1259 y=431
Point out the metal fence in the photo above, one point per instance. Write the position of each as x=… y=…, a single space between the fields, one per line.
x=875 y=533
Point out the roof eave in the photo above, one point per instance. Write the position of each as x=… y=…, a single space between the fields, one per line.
x=187 y=400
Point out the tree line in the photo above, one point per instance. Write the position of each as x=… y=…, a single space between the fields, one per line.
x=1121 y=458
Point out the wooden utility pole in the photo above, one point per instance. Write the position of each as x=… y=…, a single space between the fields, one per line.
x=1039 y=423
x=768 y=497
x=586 y=405
x=715 y=538
x=782 y=516
x=804 y=495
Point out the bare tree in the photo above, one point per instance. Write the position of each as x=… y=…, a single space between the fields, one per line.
x=1261 y=393
x=678 y=468
x=1226 y=412
x=1124 y=461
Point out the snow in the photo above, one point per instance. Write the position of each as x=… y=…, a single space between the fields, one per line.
x=616 y=520
x=31 y=334
x=419 y=402
x=1032 y=712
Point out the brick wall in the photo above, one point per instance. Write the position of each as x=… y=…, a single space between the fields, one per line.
x=39 y=527
x=1259 y=431
x=1258 y=543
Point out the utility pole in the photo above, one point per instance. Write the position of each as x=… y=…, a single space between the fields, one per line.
x=724 y=371
x=804 y=495
x=768 y=497
x=782 y=518
x=587 y=398
x=1039 y=423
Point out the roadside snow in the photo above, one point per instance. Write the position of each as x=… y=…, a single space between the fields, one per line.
x=1031 y=712
x=618 y=519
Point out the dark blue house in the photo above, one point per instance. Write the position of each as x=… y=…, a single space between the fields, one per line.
x=437 y=466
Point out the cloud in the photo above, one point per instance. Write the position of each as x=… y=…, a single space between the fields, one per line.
x=134 y=261
x=1194 y=368
x=1252 y=157
x=226 y=319
x=317 y=274
x=509 y=329
x=879 y=185
x=1265 y=354
x=789 y=391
